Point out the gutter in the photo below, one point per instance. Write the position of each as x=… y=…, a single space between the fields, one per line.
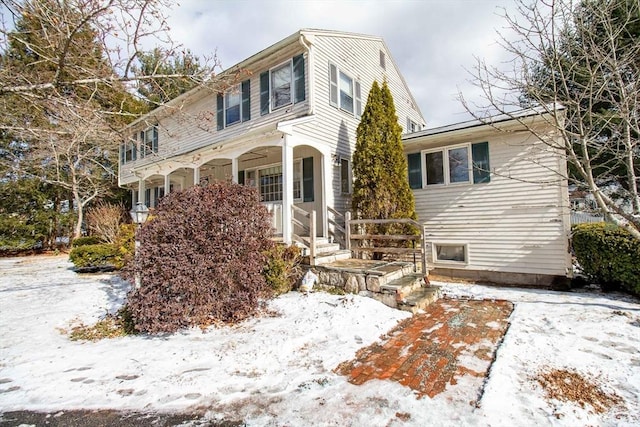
x=304 y=41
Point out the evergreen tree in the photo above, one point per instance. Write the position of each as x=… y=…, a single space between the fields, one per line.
x=381 y=187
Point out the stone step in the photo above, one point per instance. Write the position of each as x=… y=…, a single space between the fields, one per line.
x=419 y=299
x=323 y=248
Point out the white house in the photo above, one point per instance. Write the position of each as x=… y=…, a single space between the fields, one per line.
x=287 y=126
x=493 y=200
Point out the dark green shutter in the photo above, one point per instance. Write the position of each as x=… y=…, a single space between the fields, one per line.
x=298 y=79
x=264 y=93
x=480 y=159
x=220 y=111
x=246 y=100
x=307 y=179
x=414 y=161
x=123 y=152
x=143 y=145
x=241 y=177
x=134 y=150
x=154 y=144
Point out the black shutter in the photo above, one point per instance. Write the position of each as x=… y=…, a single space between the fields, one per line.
x=414 y=161
x=241 y=177
x=220 y=111
x=264 y=93
x=307 y=179
x=123 y=152
x=143 y=144
x=246 y=100
x=154 y=144
x=298 y=79
x=480 y=159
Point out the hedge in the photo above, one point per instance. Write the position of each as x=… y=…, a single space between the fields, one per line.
x=608 y=255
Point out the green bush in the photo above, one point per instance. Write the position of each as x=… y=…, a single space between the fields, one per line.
x=608 y=255
x=101 y=255
x=282 y=272
x=86 y=241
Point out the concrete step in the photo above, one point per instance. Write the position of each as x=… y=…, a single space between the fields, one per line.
x=403 y=286
x=323 y=248
x=329 y=257
x=419 y=299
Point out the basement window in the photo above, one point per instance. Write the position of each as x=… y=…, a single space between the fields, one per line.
x=451 y=253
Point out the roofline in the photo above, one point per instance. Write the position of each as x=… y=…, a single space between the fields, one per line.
x=488 y=121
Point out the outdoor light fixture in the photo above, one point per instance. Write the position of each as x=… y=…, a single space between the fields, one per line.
x=139 y=213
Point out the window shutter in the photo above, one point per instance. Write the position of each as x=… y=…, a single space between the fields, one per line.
x=143 y=149
x=480 y=160
x=134 y=150
x=298 y=79
x=246 y=100
x=414 y=161
x=220 y=111
x=123 y=151
x=241 y=177
x=333 y=85
x=154 y=144
x=358 y=100
x=307 y=179
x=264 y=93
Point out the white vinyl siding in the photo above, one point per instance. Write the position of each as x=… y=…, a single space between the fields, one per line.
x=514 y=223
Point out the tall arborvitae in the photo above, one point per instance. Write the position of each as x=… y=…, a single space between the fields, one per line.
x=381 y=187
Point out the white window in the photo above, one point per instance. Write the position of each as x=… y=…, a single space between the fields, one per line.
x=468 y=163
x=232 y=111
x=281 y=84
x=412 y=126
x=148 y=141
x=128 y=150
x=454 y=253
x=344 y=91
x=269 y=181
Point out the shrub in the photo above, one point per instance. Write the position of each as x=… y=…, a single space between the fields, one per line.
x=608 y=255
x=201 y=259
x=104 y=220
x=88 y=240
x=282 y=272
x=125 y=245
x=98 y=256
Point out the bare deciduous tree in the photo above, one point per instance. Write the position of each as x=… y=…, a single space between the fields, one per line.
x=68 y=71
x=584 y=57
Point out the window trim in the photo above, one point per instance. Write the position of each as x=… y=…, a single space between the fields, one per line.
x=335 y=90
x=297 y=175
x=142 y=142
x=445 y=165
x=236 y=90
x=288 y=63
x=349 y=176
x=434 y=249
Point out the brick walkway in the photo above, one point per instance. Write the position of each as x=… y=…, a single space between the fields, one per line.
x=429 y=351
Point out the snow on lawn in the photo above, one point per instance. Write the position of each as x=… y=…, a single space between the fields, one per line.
x=278 y=369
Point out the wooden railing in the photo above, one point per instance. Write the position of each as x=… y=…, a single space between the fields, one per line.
x=304 y=224
x=337 y=229
x=355 y=239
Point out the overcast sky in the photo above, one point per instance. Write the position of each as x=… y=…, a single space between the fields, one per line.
x=432 y=41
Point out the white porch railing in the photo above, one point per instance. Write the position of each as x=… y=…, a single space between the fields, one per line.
x=275 y=209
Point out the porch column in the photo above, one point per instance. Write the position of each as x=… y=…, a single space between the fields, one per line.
x=141 y=192
x=196 y=175
x=325 y=178
x=287 y=188
x=167 y=184
x=234 y=169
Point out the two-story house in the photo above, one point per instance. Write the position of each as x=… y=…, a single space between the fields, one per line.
x=286 y=125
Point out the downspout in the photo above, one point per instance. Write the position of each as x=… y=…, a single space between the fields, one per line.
x=309 y=47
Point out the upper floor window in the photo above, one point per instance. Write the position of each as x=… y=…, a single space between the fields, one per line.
x=383 y=61
x=282 y=85
x=412 y=126
x=234 y=106
x=344 y=91
x=467 y=163
x=141 y=144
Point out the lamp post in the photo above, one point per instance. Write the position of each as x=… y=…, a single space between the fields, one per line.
x=139 y=215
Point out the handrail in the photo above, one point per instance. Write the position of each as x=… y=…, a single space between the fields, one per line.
x=309 y=227
x=362 y=236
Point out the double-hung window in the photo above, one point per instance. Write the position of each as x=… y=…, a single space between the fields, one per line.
x=460 y=164
x=129 y=150
x=344 y=91
x=148 y=141
x=282 y=85
x=234 y=106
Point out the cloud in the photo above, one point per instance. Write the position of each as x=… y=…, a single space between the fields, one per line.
x=431 y=41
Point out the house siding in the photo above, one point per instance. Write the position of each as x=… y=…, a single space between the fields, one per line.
x=516 y=223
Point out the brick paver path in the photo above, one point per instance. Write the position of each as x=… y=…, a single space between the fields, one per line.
x=426 y=352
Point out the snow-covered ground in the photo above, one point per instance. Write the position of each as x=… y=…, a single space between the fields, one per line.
x=278 y=369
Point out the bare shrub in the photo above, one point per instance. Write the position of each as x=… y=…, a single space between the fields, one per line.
x=104 y=220
x=201 y=259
